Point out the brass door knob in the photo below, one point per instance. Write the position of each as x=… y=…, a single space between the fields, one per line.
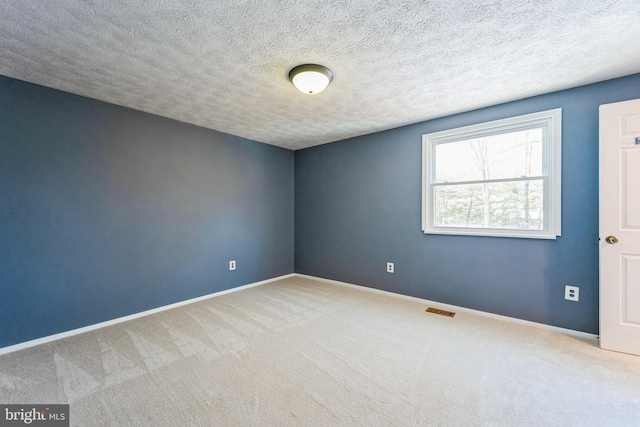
x=611 y=240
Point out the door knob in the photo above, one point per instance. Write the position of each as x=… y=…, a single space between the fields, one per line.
x=611 y=240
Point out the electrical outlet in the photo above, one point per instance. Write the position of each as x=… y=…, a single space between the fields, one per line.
x=232 y=265
x=572 y=293
x=390 y=267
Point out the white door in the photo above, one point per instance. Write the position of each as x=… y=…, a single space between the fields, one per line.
x=620 y=226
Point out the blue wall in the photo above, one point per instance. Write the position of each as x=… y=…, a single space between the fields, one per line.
x=106 y=211
x=358 y=206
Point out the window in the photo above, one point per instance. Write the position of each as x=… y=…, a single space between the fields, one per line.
x=500 y=178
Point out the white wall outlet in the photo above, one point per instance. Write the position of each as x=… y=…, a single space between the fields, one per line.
x=232 y=265
x=390 y=267
x=572 y=293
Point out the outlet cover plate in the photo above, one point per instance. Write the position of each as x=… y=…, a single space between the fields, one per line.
x=572 y=293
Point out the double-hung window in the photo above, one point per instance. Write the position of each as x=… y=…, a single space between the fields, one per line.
x=500 y=178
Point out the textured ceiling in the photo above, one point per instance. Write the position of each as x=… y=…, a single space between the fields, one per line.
x=223 y=64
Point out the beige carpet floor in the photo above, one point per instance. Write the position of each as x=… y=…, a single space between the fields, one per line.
x=300 y=352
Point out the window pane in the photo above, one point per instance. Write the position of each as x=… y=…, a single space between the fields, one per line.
x=505 y=205
x=509 y=155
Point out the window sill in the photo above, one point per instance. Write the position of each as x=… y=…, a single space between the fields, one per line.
x=493 y=233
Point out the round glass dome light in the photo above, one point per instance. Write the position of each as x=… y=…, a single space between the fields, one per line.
x=310 y=78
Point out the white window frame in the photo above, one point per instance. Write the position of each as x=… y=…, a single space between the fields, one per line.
x=551 y=122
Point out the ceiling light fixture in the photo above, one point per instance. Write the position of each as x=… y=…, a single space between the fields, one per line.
x=310 y=78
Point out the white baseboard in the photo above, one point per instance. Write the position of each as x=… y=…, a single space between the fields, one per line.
x=55 y=337
x=449 y=307
x=61 y=335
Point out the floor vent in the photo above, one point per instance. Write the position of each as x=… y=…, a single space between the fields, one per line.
x=440 y=312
